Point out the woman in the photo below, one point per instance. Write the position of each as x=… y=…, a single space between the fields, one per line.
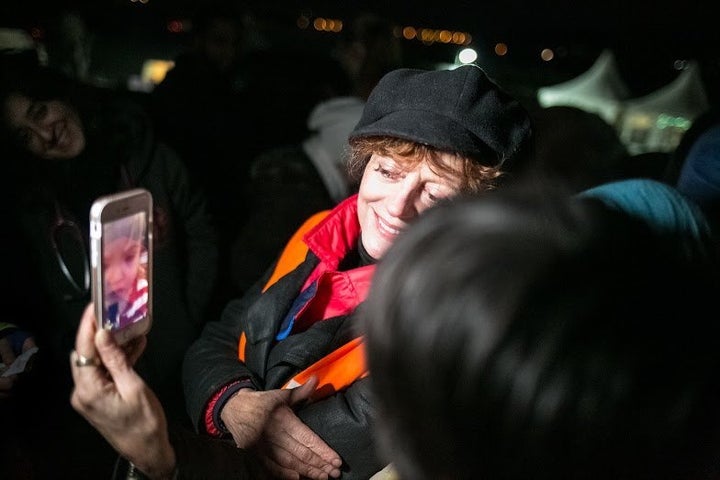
x=69 y=144
x=424 y=136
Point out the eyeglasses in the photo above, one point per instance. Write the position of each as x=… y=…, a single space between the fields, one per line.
x=68 y=243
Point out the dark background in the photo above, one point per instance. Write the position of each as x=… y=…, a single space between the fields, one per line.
x=647 y=37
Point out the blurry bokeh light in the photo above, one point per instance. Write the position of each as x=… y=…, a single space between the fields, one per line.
x=409 y=33
x=501 y=49
x=154 y=70
x=547 y=54
x=467 y=55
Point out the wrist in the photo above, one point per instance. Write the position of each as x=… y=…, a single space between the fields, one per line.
x=162 y=465
x=222 y=400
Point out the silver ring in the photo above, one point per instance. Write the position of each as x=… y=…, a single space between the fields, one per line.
x=82 y=361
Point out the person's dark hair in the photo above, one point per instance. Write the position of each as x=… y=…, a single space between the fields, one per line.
x=32 y=81
x=574 y=146
x=522 y=336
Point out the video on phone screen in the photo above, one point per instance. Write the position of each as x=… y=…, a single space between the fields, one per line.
x=125 y=263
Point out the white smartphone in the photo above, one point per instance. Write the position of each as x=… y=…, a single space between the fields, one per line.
x=121 y=256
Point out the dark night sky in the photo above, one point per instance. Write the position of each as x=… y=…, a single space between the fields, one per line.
x=644 y=34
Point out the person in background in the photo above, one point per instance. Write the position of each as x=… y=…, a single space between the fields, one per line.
x=297 y=326
x=65 y=144
x=198 y=108
x=531 y=335
x=367 y=50
x=287 y=183
x=575 y=147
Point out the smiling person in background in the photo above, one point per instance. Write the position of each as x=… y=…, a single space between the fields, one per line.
x=66 y=144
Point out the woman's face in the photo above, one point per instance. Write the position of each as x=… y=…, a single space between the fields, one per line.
x=392 y=195
x=49 y=129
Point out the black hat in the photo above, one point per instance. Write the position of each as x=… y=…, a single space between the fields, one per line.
x=458 y=110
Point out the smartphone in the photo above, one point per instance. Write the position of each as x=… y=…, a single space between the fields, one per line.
x=121 y=258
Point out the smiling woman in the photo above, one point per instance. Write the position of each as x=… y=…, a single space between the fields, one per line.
x=49 y=129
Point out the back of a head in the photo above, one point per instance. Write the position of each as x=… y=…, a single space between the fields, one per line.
x=574 y=146
x=530 y=335
x=698 y=160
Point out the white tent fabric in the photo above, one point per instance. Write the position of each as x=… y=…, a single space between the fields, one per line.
x=600 y=90
x=657 y=121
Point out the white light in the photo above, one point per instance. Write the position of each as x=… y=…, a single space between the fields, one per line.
x=467 y=55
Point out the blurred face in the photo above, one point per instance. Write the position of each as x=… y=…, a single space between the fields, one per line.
x=392 y=195
x=221 y=44
x=49 y=129
x=121 y=259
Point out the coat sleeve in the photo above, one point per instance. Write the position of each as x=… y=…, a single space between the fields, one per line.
x=345 y=422
x=212 y=361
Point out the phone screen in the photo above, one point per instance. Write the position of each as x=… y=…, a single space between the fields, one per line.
x=125 y=271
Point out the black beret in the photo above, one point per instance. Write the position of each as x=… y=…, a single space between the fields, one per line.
x=460 y=110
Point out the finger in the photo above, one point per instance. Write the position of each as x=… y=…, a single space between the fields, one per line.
x=134 y=349
x=114 y=358
x=86 y=378
x=6 y=353
x=6 y=385
x=28 y=344
x=288 y=464
x=84 y=339
x=301 y=442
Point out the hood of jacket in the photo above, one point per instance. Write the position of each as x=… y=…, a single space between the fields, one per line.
x=331 y=122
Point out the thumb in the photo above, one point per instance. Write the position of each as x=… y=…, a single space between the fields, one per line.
x=303 y=392
x=113 y=357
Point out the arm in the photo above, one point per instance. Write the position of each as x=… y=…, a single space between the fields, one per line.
x=211 y=362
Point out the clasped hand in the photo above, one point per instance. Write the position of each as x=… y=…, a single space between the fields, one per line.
x=265 y=421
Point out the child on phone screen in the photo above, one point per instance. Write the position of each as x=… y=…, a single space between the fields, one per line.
x=125 y=271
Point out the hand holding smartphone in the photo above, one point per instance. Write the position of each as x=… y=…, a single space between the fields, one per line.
x=121 y=252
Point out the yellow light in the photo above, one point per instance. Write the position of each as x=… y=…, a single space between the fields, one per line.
x=501 y=49
x=154 y=70
x=547 y=54
x=319 y=24
x=409 y=33
x=445 y=36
